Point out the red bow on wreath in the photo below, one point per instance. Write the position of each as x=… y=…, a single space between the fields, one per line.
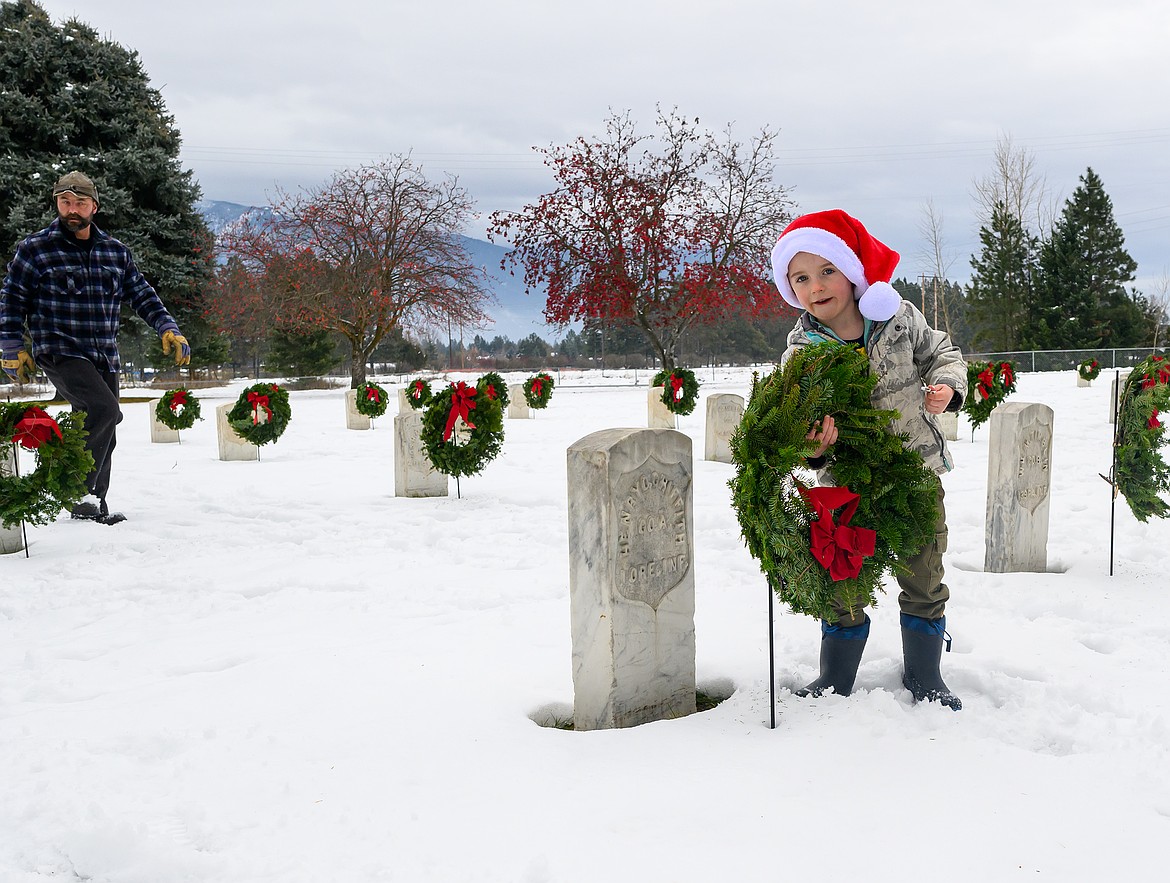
x=839 y=547
x=1006 y=370
x=1154 y=422
x=418 y=389
x=461 y=406
x=372 y=394
x=986 y=381
x=257 y=402
x=676 y=384
x=34 y=429
x=490 y=390
x=179 y=398
x=536 y=387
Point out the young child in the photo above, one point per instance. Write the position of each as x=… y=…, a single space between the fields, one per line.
x=828 y=265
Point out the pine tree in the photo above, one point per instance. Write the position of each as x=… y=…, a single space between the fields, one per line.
x=300 y=354
x=71 y=100
x=1001 y=288
x=1081 y=297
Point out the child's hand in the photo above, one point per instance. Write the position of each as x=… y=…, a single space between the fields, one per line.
x=937 y=398
x=824 y=433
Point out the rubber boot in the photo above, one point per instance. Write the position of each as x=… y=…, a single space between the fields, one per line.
x=922 y=646
x=841 y=649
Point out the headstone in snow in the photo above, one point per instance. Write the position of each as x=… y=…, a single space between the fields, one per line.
x=355 y=419
x=724 y=413
x=658 y=416
x=11 y=537
x=231 y=446
x=631 y=577
x=1018 y=481
x=414 y=476
x=160 y=433
x=517 y=405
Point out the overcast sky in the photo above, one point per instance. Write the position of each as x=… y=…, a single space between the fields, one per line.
x=881 y=107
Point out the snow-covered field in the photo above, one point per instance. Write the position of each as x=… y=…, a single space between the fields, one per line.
x=279 y=671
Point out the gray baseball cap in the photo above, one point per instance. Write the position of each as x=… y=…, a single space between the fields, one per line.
x=76 y=183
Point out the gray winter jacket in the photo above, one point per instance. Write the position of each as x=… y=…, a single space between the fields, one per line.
x=905 y=353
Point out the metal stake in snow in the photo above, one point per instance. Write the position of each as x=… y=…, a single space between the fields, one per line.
x=1113 y=467
x=771 y=655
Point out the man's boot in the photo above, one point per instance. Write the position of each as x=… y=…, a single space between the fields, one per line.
x=841 y=649
x=922 y=646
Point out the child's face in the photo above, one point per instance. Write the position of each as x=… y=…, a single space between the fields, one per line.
x=823 y=290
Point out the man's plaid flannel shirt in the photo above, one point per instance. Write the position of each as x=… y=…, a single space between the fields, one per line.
x=70 y=298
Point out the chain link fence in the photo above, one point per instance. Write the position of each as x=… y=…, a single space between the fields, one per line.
x=1066 y=360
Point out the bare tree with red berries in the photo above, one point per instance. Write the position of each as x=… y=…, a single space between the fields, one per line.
x=660 y=231
x=375 y=248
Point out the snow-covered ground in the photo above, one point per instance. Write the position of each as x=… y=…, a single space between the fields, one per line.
x=279 y=671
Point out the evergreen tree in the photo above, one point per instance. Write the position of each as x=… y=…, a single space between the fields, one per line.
x=1081 y=297
x=71 y=100
x=404 y=353
x=300 y=353
x=1000 y=291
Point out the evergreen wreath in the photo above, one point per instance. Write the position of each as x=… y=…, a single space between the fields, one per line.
x=538 y=390
x=897 y=490
x=1142 y=476
x=58 y=481
x=418 y=393
x=177 y=409
x=371 y=400
x=265 y=401
x=680 y=390
x=989 y=383
x=1089 y=369
x=494 y=386
x=466 y=450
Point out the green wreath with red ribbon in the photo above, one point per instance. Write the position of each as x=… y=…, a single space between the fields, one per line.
x=821 y=546
x=462 y=430
x=177 y=409
x=1142 y=476
x=538 y=390
x=494 y=386
x=1089 y=369
x=989 y=383
x=58 y=480
x=371 y=400
x=680 y=390
x=261 y=413
x=418 y=393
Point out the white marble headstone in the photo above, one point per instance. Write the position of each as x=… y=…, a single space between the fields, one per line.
x=414 y=476
x=160 y=433
x=517 y=405
x=355 y=419
x=948 y=424
x=631 y=577
x=231 y=446
x=658 y=416
x=11 y=537
x=1018 y=479
x=724 y=414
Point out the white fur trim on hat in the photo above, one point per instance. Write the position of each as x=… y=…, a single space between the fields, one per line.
x=822 y=243
x=880 y=301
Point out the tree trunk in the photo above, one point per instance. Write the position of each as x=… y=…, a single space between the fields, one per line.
x=357 y=366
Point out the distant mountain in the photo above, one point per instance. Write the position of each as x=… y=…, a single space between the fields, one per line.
x=515 y=315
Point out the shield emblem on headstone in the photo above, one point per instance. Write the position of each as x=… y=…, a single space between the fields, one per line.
x=653 y=545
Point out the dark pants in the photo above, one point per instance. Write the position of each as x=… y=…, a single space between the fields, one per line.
x=95 y=391
x=923 y=592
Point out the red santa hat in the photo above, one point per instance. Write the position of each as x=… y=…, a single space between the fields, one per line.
x=843 y=240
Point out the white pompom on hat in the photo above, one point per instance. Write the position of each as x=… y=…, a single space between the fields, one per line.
x=843 y=240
